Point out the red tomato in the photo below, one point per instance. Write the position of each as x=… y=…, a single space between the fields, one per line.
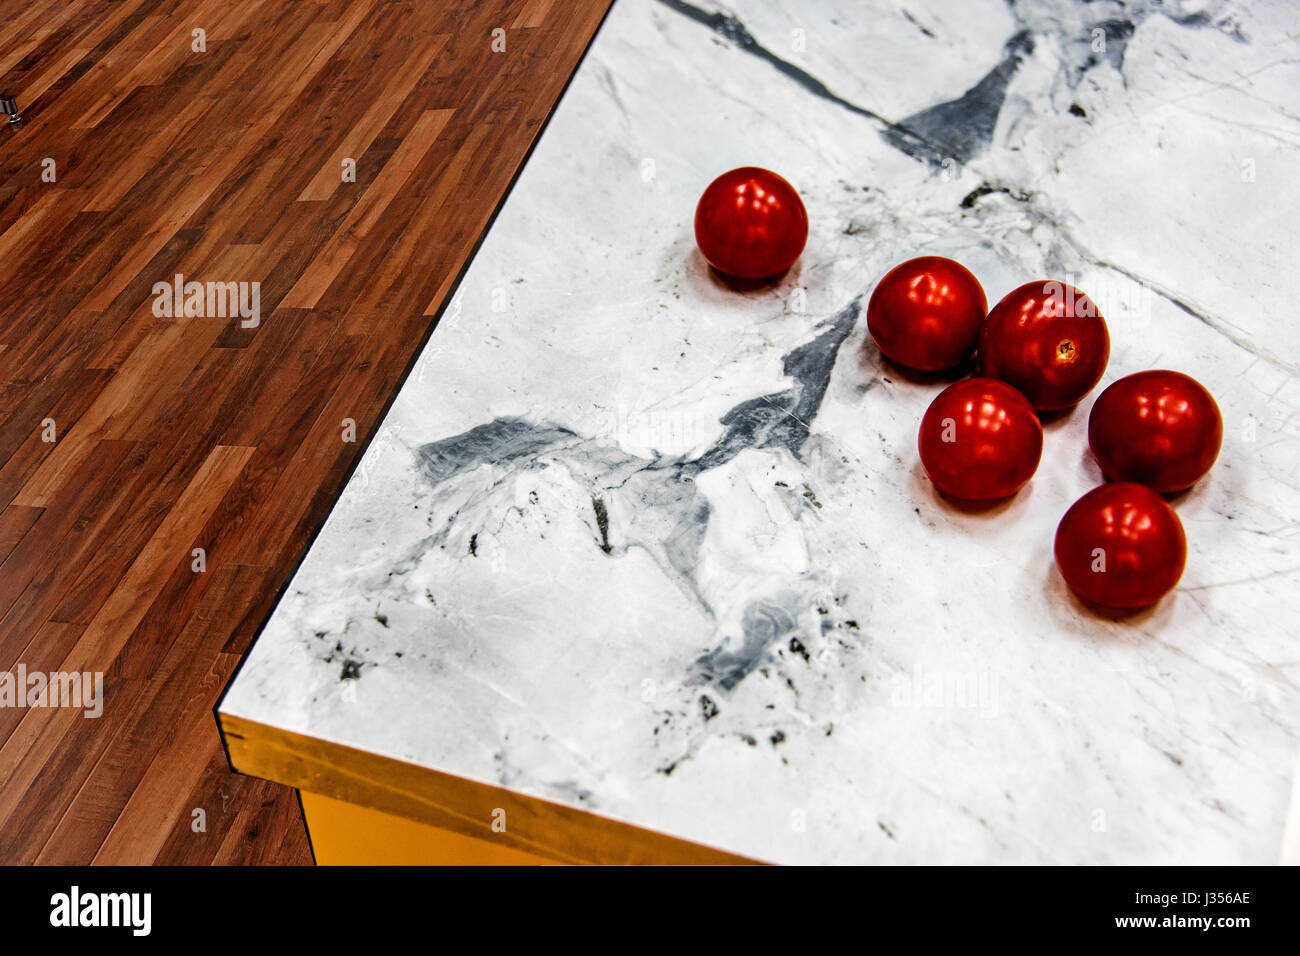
x=980 y=439
x=1047 y=339
x=926 y=313
x=1121 y=546
x=751 y=223
x=1159 y=429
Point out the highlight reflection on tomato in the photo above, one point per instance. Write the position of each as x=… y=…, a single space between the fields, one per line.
x=1049 y=340
x=1121 y=546
x=1160 y=429
x=980 y=439
x=926 y=313
x=751 y=223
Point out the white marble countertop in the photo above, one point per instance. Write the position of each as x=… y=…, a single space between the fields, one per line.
x=639 y=543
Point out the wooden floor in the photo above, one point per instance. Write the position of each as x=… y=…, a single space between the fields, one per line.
x=174 y=434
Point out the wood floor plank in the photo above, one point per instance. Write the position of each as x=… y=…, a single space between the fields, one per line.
x=15 y=522
x=176 y=432
x=54 y=543
x=352 y=234
x=194 y=840
x=43 y=652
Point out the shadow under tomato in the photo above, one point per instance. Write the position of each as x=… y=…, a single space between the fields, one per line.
x=743 y=286
x=1058 y=590
x=1056 y=419
x=1177 y=499
x=1116 y=614
x=738 y=284
x=1174 y=498
x=916 y=376
x=989 y=507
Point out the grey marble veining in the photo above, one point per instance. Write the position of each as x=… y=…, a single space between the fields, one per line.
x=643 y=543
